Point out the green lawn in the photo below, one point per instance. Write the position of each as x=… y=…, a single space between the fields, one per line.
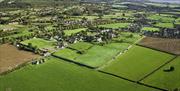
x=97 y=56
x=58 y=75
x=165 y=25
x=67 y=53
x=40 y=43
x=152 y=29
x=70 y=32
x=81 y=46
x=167 y=80
x=137 y=62
x=116 y=25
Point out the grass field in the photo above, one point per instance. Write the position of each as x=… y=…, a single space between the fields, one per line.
x=152 y=29
x=137 y=62
x=164 y=25
x=116 y=25
x=67 y=53
x=81 y=46
x=161 y=18
x=58 y=75
x=70 y=32
x=40 y=43
x=118 y=46
x=97 y=56
x=127 y=37
x=167 y=80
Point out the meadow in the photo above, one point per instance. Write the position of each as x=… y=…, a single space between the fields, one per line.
x=130 y=63
x=40 y=43
x=70 y=32
x=58 y=75
x=116 y=25
x=164 y=25
x=167 y=80
x=151 y=29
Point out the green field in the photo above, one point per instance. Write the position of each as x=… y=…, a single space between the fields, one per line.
x=97 y=56
x=40 y=43
x=162 y=18
x=164 y=25
x=137 y=62
x=152 y=29
x=167 y=80
x=81 y=46
x=115 y=25
x=58 y=75
x=70 y=32
x=67 y=54
x=119 y=46
x=127 y=37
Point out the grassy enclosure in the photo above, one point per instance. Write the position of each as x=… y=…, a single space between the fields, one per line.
x=129 y=64
x=63 y=76
x=116 y=25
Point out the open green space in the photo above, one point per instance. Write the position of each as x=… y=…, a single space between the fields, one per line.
x=137 y=62
x=161 y=18
x=58 y=75
x=67 y=54
x=97 y=56
x=127 y=37
x=167 y=80
x=164 y=25
x=151 y=29
x=40 y=43
x=70 y=32
x=80 y=46
x=118 y=46
x=116 y=25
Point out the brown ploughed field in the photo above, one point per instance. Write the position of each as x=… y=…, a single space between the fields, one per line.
x=163 y=44
x=11 y=57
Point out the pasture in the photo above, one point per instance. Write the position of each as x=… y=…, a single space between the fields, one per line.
x=168 y=80
x=70 y=32
x=137 y=62
x=151 y=29
x=162 y=18
x=11 y=57
x=81 y=46
x=116 y=25
x=164 y=25
x=66 y=53
x=97 y=56
x=58 y=75
x=40 y=43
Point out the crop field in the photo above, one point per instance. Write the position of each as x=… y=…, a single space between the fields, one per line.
x=127 y=37
x=168 y=80
x=150 y=29
x=164 y=25
x=11 y=57
x=67 y=54
x=167 y=45
x=130 y=63
x=70 y=32
x=97 y=56
x=40 y=43
x=64 y=76
x=116 y=25
x=81 y=46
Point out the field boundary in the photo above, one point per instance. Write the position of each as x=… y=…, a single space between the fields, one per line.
x=136 y=82
x=158 y=50
x=72 y=61
x=158 y=68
